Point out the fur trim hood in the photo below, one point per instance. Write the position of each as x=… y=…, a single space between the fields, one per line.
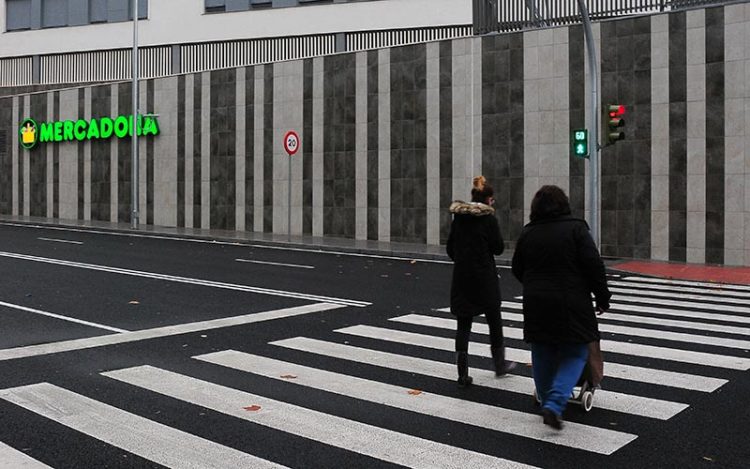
x=477 y=209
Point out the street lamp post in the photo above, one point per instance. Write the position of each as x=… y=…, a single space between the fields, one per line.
x=134 y=192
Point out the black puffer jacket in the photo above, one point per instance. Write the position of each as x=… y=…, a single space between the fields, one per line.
x=473 y=242
x=559 y=266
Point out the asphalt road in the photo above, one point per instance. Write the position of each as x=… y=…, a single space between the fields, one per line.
x=312 y=370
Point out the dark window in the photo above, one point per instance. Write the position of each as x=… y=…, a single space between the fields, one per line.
x=18 y=15
x=54 y=13
x=215 y=6
x=97 y=11
x=260 y=3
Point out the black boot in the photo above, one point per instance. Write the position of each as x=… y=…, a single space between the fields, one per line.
x=502 y=366
x=462 y=361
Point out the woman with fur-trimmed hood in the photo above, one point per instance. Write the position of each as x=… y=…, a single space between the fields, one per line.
x=473 y=242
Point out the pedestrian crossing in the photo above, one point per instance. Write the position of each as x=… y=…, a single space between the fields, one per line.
x=660 y=335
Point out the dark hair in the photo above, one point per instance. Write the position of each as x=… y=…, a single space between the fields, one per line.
x=481 y=190
x=549 y=202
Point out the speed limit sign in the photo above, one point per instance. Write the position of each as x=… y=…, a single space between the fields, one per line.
x=291 y=142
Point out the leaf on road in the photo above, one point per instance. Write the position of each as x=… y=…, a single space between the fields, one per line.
x=415 y=392
x=708 y=459
x=413 y=261
x=614 y=424
x=288 y=376
x=134 y=302
x=252 y=408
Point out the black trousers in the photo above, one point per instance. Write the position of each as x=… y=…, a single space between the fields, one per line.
x=464 y=330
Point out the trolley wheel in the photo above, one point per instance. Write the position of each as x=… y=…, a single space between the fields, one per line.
x=587 y=400
x=537 y=402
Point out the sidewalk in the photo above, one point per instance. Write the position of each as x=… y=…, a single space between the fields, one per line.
x=696 y=272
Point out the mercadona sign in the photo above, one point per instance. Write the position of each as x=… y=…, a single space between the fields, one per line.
x=31 y=133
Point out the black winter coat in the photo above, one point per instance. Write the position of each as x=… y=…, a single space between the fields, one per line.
x=559 y=266
x=473 y=242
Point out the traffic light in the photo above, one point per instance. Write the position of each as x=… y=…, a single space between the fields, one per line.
x=579 y=143
x=615 y=122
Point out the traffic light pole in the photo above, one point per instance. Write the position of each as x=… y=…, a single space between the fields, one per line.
x=593 y=125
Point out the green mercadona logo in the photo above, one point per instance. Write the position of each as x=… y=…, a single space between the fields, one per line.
x=31 y=133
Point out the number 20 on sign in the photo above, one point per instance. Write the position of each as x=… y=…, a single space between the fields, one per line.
x=291 y=142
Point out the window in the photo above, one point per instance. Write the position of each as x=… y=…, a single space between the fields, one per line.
x=97 y=11
x=54 y=13
x=18 y=15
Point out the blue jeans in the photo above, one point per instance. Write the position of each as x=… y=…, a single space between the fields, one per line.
x=557 y=368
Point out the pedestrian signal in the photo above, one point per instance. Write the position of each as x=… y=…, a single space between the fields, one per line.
x=579 y=143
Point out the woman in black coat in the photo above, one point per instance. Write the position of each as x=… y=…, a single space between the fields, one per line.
x=559 y=266
x=473 y=242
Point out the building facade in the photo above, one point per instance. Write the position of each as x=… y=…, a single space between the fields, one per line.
x=391 y=136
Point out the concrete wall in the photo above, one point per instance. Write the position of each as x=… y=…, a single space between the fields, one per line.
x=391 y=137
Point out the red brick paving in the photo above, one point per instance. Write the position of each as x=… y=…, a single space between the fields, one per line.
x=698 y=272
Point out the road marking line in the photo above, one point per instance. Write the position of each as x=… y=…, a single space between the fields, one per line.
x=376 y=442
x=614 y=370
x=615 y=401
x=145 y=334
x=60 y=240
x=280 y=264
x=660 y=311
x=716 y=286
x=658 y=321
x=597 y=440
x=64 y=318
x=716 y=294
x=192 y=281
x=13 y=459
x=650 y=295
x=624 y=348
x=239 y=244
x=148 y=439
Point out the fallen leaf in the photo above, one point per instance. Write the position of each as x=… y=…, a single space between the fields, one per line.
x=203 y=336
x=707 y=458
x=252 y=408
x=134 y=302
x=413 y=261
x=288 y=376
x=415 y=392
x=614 y=424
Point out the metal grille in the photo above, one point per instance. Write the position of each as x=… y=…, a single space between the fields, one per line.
x=16 y=71
x=377 y=39
x=86 y=67
x=212 y=56
x=523 y=14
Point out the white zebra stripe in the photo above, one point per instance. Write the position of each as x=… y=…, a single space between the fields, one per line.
x=597 y=440
x=13 y=459
x=609 y=316
x=614 y=370
x=618 y=402
x=663 y=281
x=695 y=301
x=625 y=348
x=369 y=440
x=150 y=440
x=719 y=293
x=661 y=311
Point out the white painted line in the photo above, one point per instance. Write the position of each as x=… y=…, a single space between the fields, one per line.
x=662 y=281
x=614 y=370
x=597 y=440
x=13 y=459
x=649 y=296
x=298 y=266
x=60 y=240
x=624 y=348
x=615 y=401
x=659 y=311
x=192 y=281
x=146 y=334
x=64 y=318
x=237 y=243
x=715 y=293
x=610 y=316
x=148 y=439
x=376 y=442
